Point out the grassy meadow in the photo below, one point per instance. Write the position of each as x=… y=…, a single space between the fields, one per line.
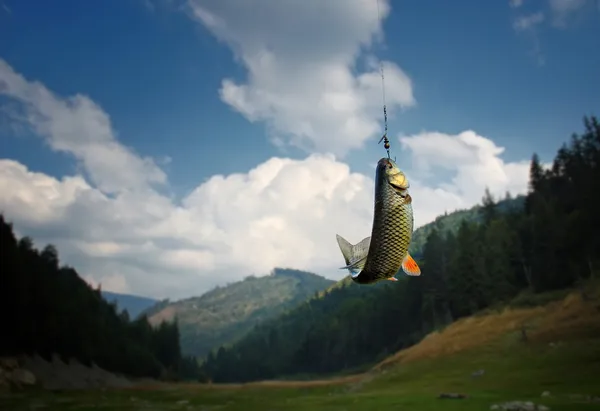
x=561 y=355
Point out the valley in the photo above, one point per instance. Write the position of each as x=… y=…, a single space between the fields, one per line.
x=483 y=357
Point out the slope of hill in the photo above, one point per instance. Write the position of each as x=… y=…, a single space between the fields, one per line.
x=134 y=304
x=548 y=318
x=226 y=313
x=557 y=368
x=451 y=222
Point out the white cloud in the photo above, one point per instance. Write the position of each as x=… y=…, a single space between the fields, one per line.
x=560 y=14
x=282 y=213
x=148 y=4
x=515 y=3
x=301 y=59
x=563 y=10
x=528 y=22
x=78 y=126
x=115 y=228
x=529 y=25
x=472 y=161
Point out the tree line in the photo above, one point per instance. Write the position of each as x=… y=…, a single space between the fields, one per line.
x=48 y=309
x=546 y=242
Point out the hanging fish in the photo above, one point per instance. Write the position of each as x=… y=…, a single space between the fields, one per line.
x=380 y=256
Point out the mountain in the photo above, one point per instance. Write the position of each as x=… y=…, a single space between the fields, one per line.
x=225 y=314
x=451 y=222
x=132 y=303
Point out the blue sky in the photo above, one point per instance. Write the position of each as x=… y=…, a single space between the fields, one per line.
x=519 y=75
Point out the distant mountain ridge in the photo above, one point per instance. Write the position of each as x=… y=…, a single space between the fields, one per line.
x=451 y=221
x=226 y=313
x=134 y=304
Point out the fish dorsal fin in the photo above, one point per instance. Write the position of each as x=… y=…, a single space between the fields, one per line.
x=355 y=256
x=410 y=266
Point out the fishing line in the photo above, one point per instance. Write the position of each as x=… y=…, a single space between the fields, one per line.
x=384 y=138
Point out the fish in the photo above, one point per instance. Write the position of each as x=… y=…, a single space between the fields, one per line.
x=381 y=255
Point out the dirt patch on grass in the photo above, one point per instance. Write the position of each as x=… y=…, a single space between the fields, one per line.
x=575 y=317
x=166 y=314
x=571 y=317
x=257 y=384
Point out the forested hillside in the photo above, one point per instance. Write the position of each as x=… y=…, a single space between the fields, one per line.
x=226 y=313
x=47 y=308
x=450 y=222
x=548 y=244
x=133 y=304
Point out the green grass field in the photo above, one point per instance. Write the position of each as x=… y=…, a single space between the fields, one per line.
x=562 y=356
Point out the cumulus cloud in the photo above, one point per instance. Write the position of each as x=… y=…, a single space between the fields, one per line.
x=282 y=213
x=515 y=3
x=559 y=15
x=301 y=58
x=564 y=10
x=472 y=163
x=5 y=8
x=115 y=227
x=148 y=4
x=78 y=126
x=528 y=22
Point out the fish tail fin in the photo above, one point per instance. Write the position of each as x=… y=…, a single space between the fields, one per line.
x=345 y=248
x=410 y=266
x=355 y=256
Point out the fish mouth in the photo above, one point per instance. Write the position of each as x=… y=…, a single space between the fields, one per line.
x=399 y=181
x=401 y=191
x=399 y=187
x=395 y=176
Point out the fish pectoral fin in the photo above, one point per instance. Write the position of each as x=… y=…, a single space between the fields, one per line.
x=359 y=264
x=355 y=267
x=410 y=266
x=354 y=273
x=392 y=279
